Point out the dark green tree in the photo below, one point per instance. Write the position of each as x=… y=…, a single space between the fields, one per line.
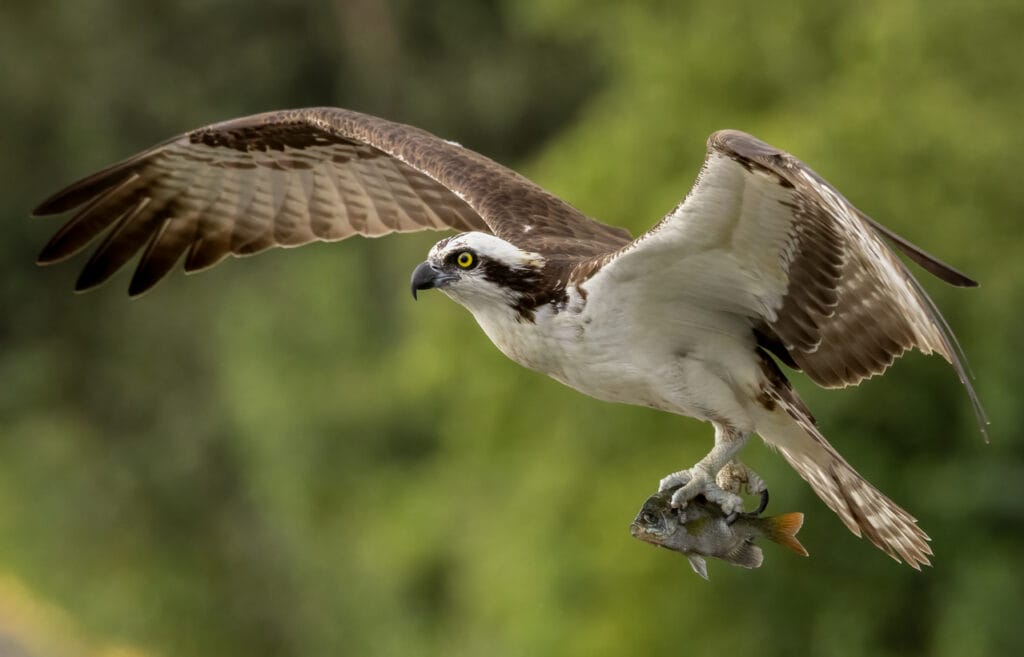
x=284 y=455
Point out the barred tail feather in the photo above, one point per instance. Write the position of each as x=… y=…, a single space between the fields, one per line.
x=864 y=509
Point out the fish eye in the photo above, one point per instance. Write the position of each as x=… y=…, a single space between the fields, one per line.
x=465 y=259
x=649 y=518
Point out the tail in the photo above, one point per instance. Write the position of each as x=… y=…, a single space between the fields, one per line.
x=865 y=511
x=782 y=529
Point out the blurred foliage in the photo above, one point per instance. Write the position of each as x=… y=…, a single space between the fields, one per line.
x=286 y=455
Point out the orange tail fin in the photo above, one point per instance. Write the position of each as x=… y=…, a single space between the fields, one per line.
x=783 y=528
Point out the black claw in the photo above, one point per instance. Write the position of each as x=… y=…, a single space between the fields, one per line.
x=760 y=507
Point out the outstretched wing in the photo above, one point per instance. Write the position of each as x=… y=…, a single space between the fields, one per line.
x=763 y=236
x=293 y=177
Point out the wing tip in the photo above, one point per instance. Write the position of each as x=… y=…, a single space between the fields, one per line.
x=59 y=202
x=965 y=281
x=57 y=250
x=89 y=280
x=137 y=288
x=46 y=258
x=50 y=205
x=71 y=196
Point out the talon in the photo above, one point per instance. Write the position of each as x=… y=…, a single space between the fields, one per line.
x=756 y=486
x=698 y=481
x=694 y=482
x=730 y=503
x=764 y=503
x=681 y=497
x=674 y=480
x=760 y=507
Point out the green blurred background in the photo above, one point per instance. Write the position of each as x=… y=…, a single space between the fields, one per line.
x=287 y=456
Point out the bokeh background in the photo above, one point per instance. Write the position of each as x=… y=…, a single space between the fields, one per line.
x=287 y=456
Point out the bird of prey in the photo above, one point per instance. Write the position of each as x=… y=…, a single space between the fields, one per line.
x=763 y=263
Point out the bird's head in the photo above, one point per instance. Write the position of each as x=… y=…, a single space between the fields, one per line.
x=479 y=270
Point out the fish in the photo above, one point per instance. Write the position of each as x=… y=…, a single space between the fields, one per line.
x=701 y=530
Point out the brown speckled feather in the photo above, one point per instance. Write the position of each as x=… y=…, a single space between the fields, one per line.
x=763 y=235
x=762 y=254
x=293 y=177
x=852 y=307
x=845 y=287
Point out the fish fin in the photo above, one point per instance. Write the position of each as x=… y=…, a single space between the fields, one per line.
x=699 y=565
x=745 y=555
x=783 y=528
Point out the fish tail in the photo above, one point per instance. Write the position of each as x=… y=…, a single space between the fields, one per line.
x=783 y=528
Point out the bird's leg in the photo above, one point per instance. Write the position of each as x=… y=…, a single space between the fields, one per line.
x=736 y=477
x=700 y=479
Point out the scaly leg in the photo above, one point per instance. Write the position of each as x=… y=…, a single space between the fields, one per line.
x=700 y=479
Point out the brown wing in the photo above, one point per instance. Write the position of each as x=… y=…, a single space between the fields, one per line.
x=762 y=235
x=293 y=177
x=851 y=307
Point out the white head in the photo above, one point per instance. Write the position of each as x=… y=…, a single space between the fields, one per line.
x=479 y=270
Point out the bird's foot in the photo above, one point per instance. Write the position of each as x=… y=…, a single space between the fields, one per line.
x=698 y=481
x=735 y=477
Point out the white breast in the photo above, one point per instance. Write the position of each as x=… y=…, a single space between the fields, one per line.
x=690 y=363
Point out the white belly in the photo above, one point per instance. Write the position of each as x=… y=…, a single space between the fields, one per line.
x=699 y=365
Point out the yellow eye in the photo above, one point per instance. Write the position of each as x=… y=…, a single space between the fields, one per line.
x=465 y=260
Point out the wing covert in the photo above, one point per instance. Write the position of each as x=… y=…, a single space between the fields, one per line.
x=762 y=236
x=293 y=177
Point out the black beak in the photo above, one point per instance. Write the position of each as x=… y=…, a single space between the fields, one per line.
x=424 y=277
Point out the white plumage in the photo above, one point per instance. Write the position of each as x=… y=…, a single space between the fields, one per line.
x=763 y=260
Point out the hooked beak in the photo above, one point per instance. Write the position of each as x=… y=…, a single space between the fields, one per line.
x=427 y=276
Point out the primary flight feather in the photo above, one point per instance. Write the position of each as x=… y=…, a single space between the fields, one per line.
x=762 y=260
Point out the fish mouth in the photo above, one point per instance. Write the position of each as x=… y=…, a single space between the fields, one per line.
x=645 y=534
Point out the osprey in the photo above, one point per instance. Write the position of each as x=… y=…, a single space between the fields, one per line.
x=762 y=263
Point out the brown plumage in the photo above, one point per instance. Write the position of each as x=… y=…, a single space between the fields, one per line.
x=293 y=177
x=761 y=238
x=843 y=318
